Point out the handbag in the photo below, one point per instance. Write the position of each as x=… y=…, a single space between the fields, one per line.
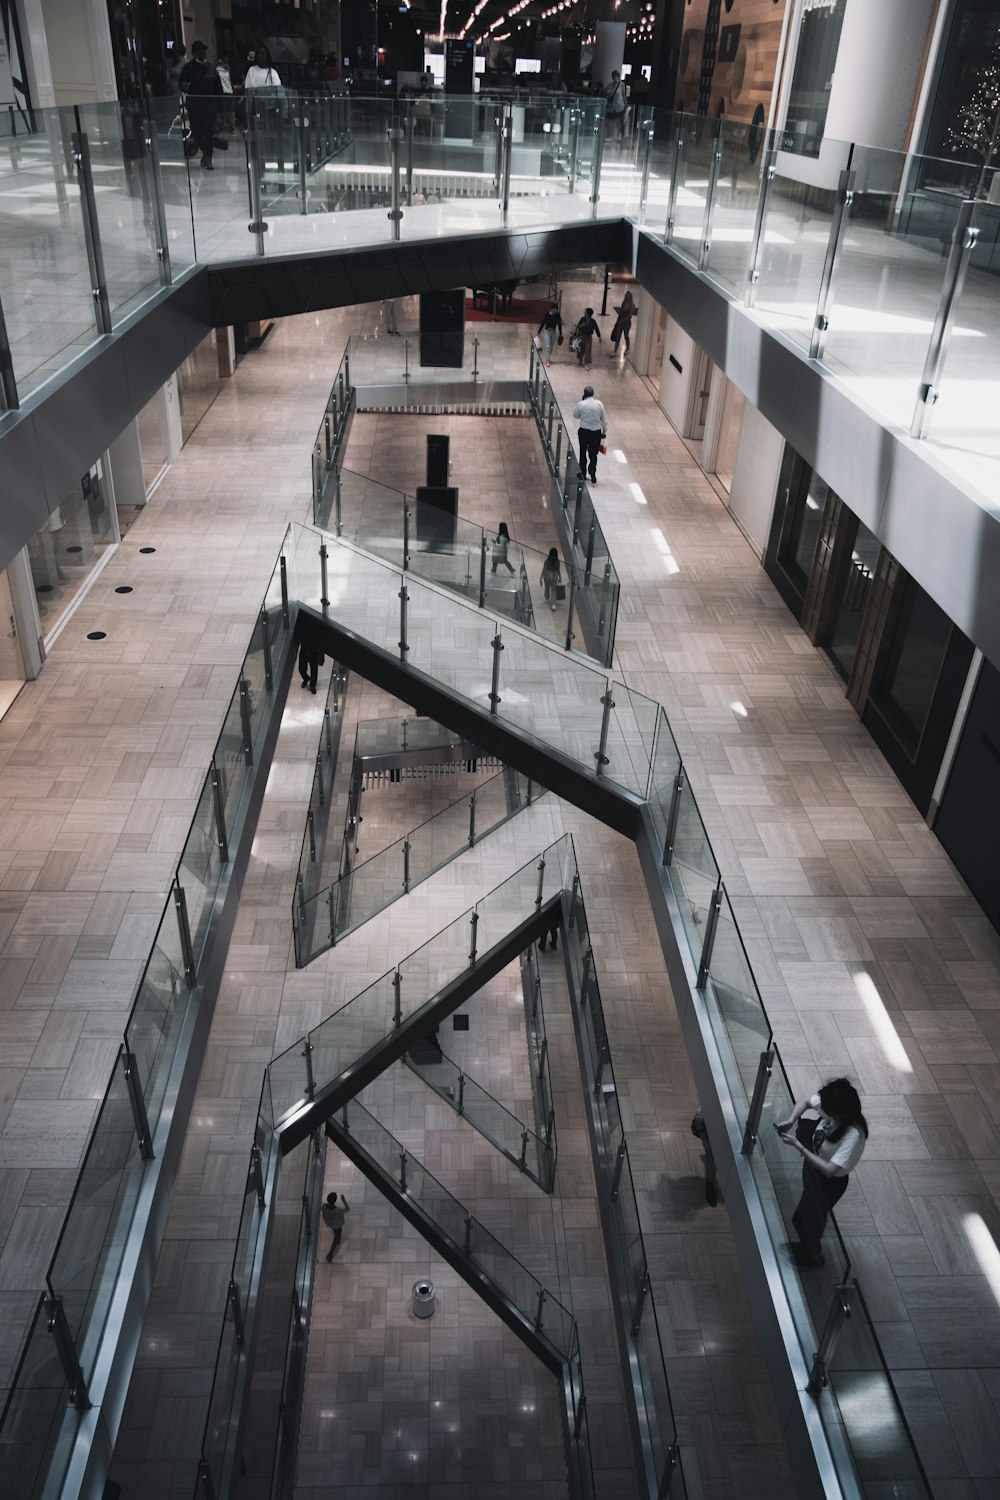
x=220 y=142
x=560 y=591
x=574 y=343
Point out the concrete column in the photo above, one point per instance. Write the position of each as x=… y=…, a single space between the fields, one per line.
x=609 y=51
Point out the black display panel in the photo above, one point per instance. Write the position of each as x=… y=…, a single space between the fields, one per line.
x=442 y=328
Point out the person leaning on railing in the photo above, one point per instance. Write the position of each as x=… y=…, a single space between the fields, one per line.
x=831 y=1148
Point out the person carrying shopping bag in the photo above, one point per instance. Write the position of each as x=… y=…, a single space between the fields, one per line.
x=551 y=577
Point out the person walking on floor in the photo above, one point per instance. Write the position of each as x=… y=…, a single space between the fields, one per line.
x=551 y=577
x=202 y=88
x=261 y=73
x=623 y=323
x=549 y=327
x=333 y=1218
x=552 y=934
x=501 y=543
x=585 y=330
x=593 y=429
x=389 y=312
x=831 y=1148
x=615 y=107
x=310 y=660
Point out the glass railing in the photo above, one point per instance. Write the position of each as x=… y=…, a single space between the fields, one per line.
x=557 y=697
x=311 y=1063
x=533 y=1151
x=910 y=238
x=84 y=1274
x=322 y=919
x=595 y=585
x=638 y=1312
x=578 y=613
x=821 y=1300
x=309 y=871
x=485 y=1255
x=319 y=1057
x=327 y=450
x=391 y=372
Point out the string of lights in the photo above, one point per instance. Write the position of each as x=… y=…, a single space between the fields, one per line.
x=637 y=30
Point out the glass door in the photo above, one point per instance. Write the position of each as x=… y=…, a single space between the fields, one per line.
x=66 y=551
x=12 y=675
x=853 y=588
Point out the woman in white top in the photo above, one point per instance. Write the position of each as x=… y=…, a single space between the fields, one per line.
x=831 y=1148
x=261 y=75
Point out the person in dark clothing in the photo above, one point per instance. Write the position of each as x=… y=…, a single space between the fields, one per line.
x=549 y=327
x=552 y=934
x=333 y=1217
x=623 y=322
x=831 y=1148
x=585 y=330
x=201 y=85
x=310 y=660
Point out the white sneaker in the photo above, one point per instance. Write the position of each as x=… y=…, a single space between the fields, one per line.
x=553 y=608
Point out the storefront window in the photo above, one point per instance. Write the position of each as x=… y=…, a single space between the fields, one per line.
x=65 y=551
x=912 y=666
x=815 y=59
x=807 y=499
x=153 y=440
x=856 y=587
x=197 y=384
x=732 y=414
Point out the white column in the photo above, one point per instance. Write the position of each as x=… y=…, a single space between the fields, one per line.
x=70 y=58
x=609 y=51
x=36 y=54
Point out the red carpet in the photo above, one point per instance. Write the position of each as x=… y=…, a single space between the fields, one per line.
x=519 y=311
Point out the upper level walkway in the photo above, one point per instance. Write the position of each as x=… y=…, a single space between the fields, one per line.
x=878 y=263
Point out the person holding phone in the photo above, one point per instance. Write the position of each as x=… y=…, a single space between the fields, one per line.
x=831 y=1147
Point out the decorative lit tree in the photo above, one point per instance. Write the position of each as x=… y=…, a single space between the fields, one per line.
x=977 y=129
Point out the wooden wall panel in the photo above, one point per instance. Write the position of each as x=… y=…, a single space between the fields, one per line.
x=738 y=86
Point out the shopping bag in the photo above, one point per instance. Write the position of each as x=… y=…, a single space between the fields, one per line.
x=560 y=591
x=536 y=339
x=574 y=343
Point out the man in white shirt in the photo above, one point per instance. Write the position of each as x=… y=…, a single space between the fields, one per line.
x=615 y=105
x=592 y=431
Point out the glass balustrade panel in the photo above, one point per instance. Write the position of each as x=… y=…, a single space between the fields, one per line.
x=693 y=871
x=744 y=159
x=735 y=1008
x=37 y=1424
x=699 y=145
x=796 y=233
x=890 y=280
x=153 y=1030
x=963 y=419
x=125 y=199
x=48 y=298
x=87 y=1259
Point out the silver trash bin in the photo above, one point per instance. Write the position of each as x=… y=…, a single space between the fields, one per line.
x=423 y=1298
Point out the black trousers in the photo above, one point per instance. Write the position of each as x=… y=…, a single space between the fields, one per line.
x=309 y=664
x=819 y=1195
x=202 y=118
x=590 y=446
x=337 y=1236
